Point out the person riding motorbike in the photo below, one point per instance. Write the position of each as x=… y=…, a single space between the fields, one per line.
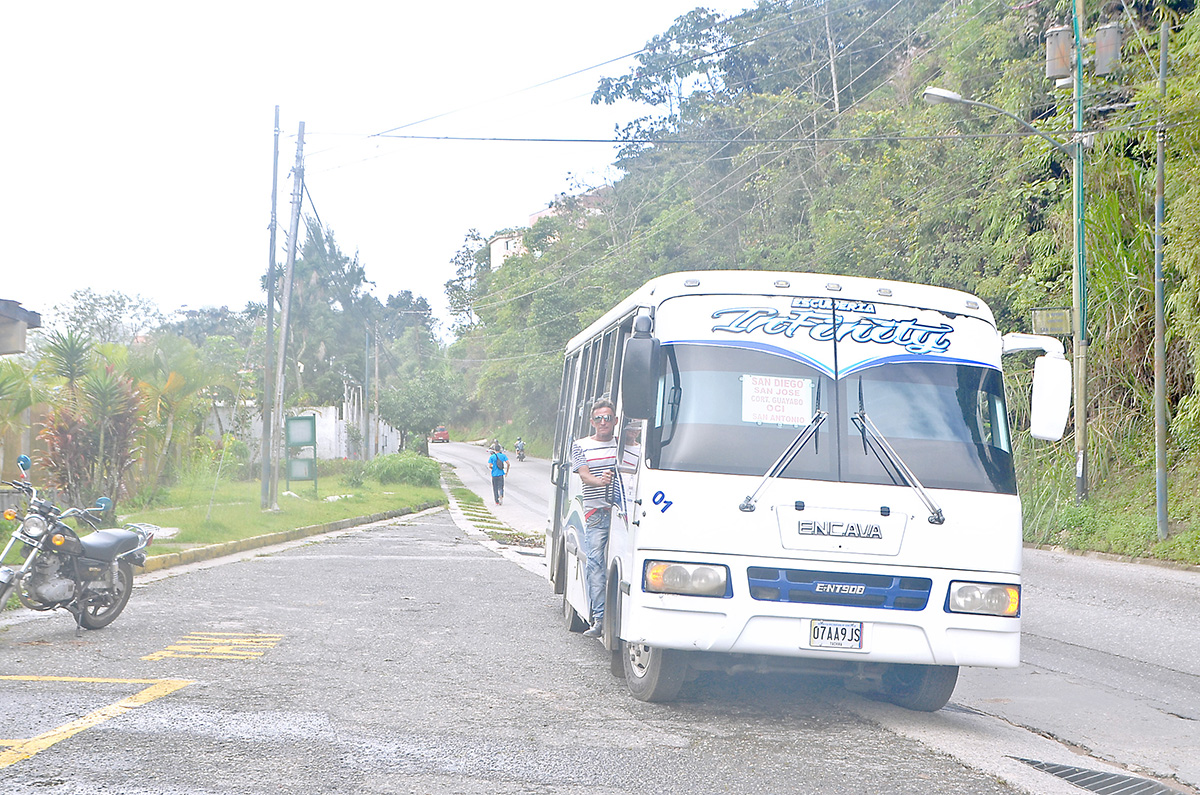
x=520 y=445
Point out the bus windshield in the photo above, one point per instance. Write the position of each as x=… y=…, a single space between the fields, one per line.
x=948 y=422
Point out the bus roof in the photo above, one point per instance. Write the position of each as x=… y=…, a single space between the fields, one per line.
x=840 y=288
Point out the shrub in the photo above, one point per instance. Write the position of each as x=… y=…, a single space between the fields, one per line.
x=405 y=467
x=353 y=474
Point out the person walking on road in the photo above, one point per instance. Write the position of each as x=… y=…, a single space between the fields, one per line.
x=499 y=463
x=595 y=459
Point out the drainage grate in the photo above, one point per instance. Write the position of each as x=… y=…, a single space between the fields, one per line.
x=1106 y=783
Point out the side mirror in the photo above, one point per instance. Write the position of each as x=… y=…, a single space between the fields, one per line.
x=1051 y=401
x=103 y=503
x=639 y=372
x=24 y=463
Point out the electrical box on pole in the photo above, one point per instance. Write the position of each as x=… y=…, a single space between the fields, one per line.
x=1108 y=48
x=1059 y=43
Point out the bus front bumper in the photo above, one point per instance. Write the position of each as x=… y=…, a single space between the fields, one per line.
x=930 y=637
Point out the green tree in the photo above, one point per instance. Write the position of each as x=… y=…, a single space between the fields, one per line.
x=413 y=406
x=172 y=388
x=90 y=432
x=19 y=392
x=108 y=317
x=471 y=268
x=329 y=320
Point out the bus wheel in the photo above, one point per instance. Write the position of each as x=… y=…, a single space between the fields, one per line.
x=653 y=674
x=570 y=618
x=923 y=688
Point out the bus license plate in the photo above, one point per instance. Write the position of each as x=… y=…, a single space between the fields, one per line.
x=835 y=635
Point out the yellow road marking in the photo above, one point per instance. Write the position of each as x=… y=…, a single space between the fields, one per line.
x=23 y=749
x=219 y=646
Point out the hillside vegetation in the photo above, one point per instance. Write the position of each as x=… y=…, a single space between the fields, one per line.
x=794 y=138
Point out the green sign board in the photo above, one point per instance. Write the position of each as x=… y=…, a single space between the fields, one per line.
x=301 y=432
x=302 y=469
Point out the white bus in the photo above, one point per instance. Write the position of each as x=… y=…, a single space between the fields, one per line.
x=817 y=475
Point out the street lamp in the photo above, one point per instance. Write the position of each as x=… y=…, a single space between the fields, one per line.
x=1074 y=151
x=936 y=96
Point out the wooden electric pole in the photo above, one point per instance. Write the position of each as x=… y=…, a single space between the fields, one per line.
x=293 y=233
x=268 y=396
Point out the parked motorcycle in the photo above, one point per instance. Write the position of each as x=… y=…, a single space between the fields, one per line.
x=89 y=576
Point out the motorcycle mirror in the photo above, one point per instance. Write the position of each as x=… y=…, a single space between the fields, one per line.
x=24 y=463
x=103 y=503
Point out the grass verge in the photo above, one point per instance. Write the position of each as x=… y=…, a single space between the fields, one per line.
x=202 y=515
x=473 y=508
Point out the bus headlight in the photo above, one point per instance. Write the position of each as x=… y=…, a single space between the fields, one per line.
x=691 y=579
x=984 y=598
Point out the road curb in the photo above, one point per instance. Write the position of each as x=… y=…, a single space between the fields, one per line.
x=211 y=551
x=1115 y=558
x=476 y=522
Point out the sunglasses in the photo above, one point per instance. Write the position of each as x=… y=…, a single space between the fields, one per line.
x=604 y=418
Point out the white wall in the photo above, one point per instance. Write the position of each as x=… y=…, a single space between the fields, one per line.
x=332 y=439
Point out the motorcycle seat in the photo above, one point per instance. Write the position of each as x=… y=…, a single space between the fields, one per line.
x=107 y=544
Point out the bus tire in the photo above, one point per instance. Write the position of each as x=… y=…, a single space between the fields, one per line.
x=921 y=688
x=653 y=674
x=571 y=619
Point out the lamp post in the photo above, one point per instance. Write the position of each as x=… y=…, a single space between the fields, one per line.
x=1079 y=273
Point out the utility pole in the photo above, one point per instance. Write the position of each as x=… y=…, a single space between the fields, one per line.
x=1060 y=65
x=294 y=232
x=268 y=397
x=377 y=390
x=1079 y=358
x=1160 y=345
x=366 y=395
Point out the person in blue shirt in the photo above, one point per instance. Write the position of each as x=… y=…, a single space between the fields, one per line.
x=499 y=463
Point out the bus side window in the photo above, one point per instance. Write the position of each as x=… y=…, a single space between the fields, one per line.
x=622 y=334
x=583 y=393
x=563 y=422
x=604 y=368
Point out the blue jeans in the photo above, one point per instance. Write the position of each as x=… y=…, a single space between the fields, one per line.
x=595 y=541
x=497 y=487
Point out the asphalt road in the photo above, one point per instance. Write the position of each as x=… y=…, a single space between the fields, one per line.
x=405 y=657
x=1110 y=662
x=526 y=487
x=416 y=656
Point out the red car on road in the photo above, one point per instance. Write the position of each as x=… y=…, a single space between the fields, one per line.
x=440 y=434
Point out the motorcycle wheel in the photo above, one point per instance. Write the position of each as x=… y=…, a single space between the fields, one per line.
x=105 y=608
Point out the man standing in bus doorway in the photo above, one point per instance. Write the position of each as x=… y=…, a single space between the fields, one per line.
x=499 y=462
x=595 y=459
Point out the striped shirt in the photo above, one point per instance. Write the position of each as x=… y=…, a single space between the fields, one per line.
x=597 y=456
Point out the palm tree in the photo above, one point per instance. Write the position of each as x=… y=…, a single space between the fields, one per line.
x=171 y=388
x=70 y=357
x=16 y=396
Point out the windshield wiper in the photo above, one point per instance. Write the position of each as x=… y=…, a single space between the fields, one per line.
x=784 y=460
x=866 y=427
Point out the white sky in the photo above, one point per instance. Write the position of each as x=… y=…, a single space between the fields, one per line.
x=137 y=136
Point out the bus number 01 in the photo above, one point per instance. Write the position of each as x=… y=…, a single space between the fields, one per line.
x=661 y=499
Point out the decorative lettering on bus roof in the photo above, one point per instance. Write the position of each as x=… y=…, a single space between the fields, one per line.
x=910 y=334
